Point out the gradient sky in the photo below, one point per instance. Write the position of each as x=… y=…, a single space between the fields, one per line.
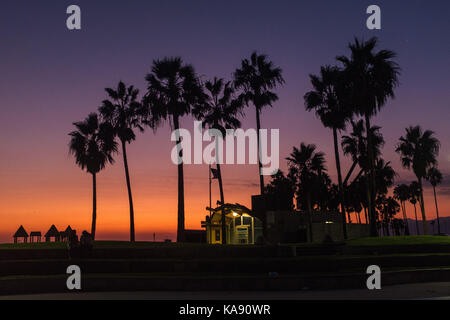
x=51 y=77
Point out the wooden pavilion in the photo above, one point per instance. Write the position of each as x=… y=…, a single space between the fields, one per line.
x=35 y=235
x=54 y=234
x=21 y=234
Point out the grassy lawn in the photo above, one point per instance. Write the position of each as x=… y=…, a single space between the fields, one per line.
x=99 y=245
x=42 y=245
x=402 y=240
x=381 y=241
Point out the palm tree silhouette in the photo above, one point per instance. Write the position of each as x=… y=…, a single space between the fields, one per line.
x=388 y=208
x=308 y=166
x=401 y=193
x=356 y=193
x=173 y=91
x=355 y=145
x=434 y=177
x=418 y=151
x=327 y=101
x=414 y=197
x=123 y=112
x=257 y=77
x=372 y=78
x=219 y=112
x=93 y=145
x=384 y=176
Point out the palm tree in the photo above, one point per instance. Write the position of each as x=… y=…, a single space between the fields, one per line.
x=354 y=199
x=308 y=166
x=434 y=177
x=173 y=90
x=356 y=145
x=372 y=78
x=388 y=208
x=327 y=101
x=414 y=197
x=418 y=151
x=123 y=112
x=384 y=176
x=257 y=77
x=92 y=144
x=401 y=193
x=219 y=112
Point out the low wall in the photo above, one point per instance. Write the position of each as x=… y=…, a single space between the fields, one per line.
x=354 y=231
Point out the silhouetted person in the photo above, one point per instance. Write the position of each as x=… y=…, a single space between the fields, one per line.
x=73 y=245
x=86 y=243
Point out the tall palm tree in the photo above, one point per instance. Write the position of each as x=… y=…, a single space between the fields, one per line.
x=434 y=177
x=414 y=197
x=401 y=193
x=123 y=112
x=308 y=166
x=93 y=145
x=257 y=77
x=372 y=78
x=327 y=100
x=173 y=90
x=219 y=112
x=418 y=151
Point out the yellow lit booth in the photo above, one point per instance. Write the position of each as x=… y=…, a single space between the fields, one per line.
x=241 y=226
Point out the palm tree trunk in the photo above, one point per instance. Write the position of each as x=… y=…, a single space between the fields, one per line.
x=341 y=187
x=365 y=215
x=422 y=209
x=437 y=210
x=310 y=224
x=403 y=204
x=349 y=174
x=223 y=221
x=180 y=226
x=359 y=217
x=371 y=178
x=371 y=214
x=94 y=205
x=417 y=222
x=130 y=197
x=258 y=127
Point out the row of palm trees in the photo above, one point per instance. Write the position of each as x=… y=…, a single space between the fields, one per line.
x=310 y=183
x=352 y=93
x=349 y=94
x=174 y=90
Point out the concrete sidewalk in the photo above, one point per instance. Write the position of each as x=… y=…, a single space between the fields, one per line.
x=436 y=290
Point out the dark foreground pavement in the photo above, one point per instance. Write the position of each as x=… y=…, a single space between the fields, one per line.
x=436 y=290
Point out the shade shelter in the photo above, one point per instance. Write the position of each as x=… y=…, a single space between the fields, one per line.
x=35 y=235
x=241 y=226
x=52 y=233
x=64 y=235
x=21 y=234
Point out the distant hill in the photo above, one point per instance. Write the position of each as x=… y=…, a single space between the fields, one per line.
x=444 y=222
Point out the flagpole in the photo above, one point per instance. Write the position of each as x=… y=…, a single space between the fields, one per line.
x=210 y=208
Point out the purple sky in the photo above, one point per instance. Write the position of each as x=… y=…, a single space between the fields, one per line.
x=51 y=77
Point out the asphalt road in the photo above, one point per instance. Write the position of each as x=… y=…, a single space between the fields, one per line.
x=437 y=290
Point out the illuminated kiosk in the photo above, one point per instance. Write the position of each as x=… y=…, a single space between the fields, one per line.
x=241 y=226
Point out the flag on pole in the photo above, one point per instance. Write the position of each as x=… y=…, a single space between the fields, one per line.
x=215 y=173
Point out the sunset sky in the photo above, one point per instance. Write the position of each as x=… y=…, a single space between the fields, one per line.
x=51 y=77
